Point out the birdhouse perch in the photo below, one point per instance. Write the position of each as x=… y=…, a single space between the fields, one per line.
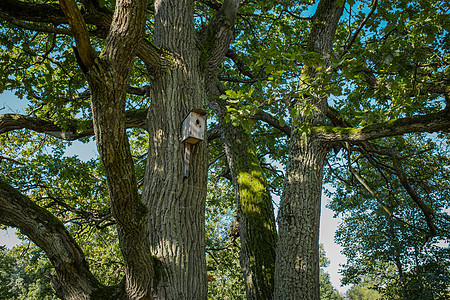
x=192 y=132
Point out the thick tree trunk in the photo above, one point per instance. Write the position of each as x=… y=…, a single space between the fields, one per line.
x=255 y=215
x=108 y=106
x=176 y=203
x=297 y=253
x=297 y=265
x=108 y=78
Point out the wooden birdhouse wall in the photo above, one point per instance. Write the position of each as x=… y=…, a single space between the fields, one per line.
x=194 y=126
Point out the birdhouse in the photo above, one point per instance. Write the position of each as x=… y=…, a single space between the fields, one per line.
x=192 y=132
x=193 y=129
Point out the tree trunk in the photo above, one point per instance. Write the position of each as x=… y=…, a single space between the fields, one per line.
x=297 y=265
x=255 y=215
x=108 y=78
x=297 y=253
x=108 y=106
x=176 y=203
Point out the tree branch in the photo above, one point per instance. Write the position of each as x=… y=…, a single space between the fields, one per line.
x=400 y=126
x=447 y=98
x=211 y=3
x=241 y=65
x=16 y=12
x=239 y=80
x=296 y=16
x=364 y=184
x=214 y=133
x=355 y=35
x=71 y=130
x=78 y=27
x=132 y=90
x=49 y=233
x=218 y=36
x=33 y=26
x=400 y=172
x=377 y=198
x=434 y=122
x=46 y=13
x=11 y=160
x=272 y=121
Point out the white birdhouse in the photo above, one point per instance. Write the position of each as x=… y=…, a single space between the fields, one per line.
x=193 y=130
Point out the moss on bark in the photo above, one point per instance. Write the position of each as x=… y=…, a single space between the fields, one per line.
x=255 y=214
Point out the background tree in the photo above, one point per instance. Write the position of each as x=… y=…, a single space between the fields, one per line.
x=384 y=229
x=20 y=280
x=362 y=291
x=327 y=291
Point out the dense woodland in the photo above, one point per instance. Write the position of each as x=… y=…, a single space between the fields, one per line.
x=353 y=96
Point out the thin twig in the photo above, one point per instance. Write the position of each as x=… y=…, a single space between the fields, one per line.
x=355 y=35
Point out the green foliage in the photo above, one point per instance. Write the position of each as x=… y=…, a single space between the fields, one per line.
x=430 y=280
x=42 y=68
x=102 y=251
x=396 y=67
x=362 y=292
x=225 y=279
x=395 y=62
x=327 y=291
x=386 y=235
x=20 y=282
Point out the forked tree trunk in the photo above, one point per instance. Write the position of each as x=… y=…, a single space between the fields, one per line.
x=176 y=203
x=108 y=77
x=297 y=260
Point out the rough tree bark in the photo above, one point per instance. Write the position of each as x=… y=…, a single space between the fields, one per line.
x=297 y=253
x=177 y=203
x=255 y=214
x=108 y=77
